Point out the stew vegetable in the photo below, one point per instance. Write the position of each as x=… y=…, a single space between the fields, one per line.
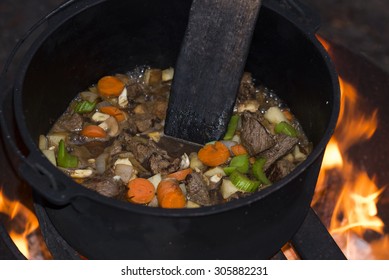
x=108 y=141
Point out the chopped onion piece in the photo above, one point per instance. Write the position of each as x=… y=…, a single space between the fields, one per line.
x=215 y=171
x=155 y=180
x=227 y=188
x=100 y=117
x=80 y=173
x=122 y=99
x=185 y=162
x=101 y=163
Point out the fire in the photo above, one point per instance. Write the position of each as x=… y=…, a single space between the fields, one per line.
x=23 y=217
x=355 y=212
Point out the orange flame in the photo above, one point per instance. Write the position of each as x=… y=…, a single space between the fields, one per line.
x=355 y=211
x=15 y=210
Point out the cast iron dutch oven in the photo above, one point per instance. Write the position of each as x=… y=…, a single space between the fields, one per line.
x=84 y=40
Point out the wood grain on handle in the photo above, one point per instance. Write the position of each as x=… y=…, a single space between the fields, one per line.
x=209 y=68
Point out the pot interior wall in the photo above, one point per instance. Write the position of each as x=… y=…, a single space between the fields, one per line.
x=116 y=36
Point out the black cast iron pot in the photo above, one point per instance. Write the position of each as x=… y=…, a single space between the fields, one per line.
x=84 y=40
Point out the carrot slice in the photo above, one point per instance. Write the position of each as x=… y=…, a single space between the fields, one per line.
x=93 y=131
x=214 y=154
x=238 y=150
x=140 y=191
x=170 y=195
x=180 y=175
x=288 y=115
x=110 y=86
x=114 y=111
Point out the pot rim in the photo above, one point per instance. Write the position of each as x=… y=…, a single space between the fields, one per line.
x=83 y=192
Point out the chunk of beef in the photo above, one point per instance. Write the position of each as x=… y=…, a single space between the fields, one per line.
x=254 y=135
x=197 y=190
x=68 y=122
x=144 y=122
x=104 y=185
x=114 y=148
x=149 y=155
x=284 y=144
x=280 y=169
x=96 y=147
x=140 y=147
x=162 y=163
x=134 y=90
x=246 y=88
x=159 y=108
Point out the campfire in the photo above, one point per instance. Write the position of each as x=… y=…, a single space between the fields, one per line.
x=21 y=220
x=352 y=218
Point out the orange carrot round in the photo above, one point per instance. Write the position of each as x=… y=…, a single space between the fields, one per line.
x=140 y=191
x=180 y=175
x=170 y=195
x=288 y=115
x=214 y=154
x=110 y=86
x=114 y=111
x=238 y=150
x=93 y=131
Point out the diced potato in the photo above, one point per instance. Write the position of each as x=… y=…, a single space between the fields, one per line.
x=195 y=163
x=227 y=188
x=43 y=143
x=215 y=178
x=153 y=77
x=274 y=115
x=140 y=109
x=191 y=204
x=50 y=155
x=167 y=74
x=298 y=155
x=155 y=136
x=124 y=171
x=54 y=138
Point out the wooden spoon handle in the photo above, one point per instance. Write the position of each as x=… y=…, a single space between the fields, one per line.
x=209 y=68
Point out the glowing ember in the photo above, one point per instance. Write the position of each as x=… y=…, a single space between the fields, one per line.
x=23 y=217
x=355 y=212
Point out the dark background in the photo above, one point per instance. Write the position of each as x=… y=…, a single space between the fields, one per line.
x=360 y=25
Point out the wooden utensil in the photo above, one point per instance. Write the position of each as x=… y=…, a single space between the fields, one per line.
x=209 y=68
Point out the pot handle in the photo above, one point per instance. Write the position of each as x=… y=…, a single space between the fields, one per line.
x=29 y=167
x=298 y=13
